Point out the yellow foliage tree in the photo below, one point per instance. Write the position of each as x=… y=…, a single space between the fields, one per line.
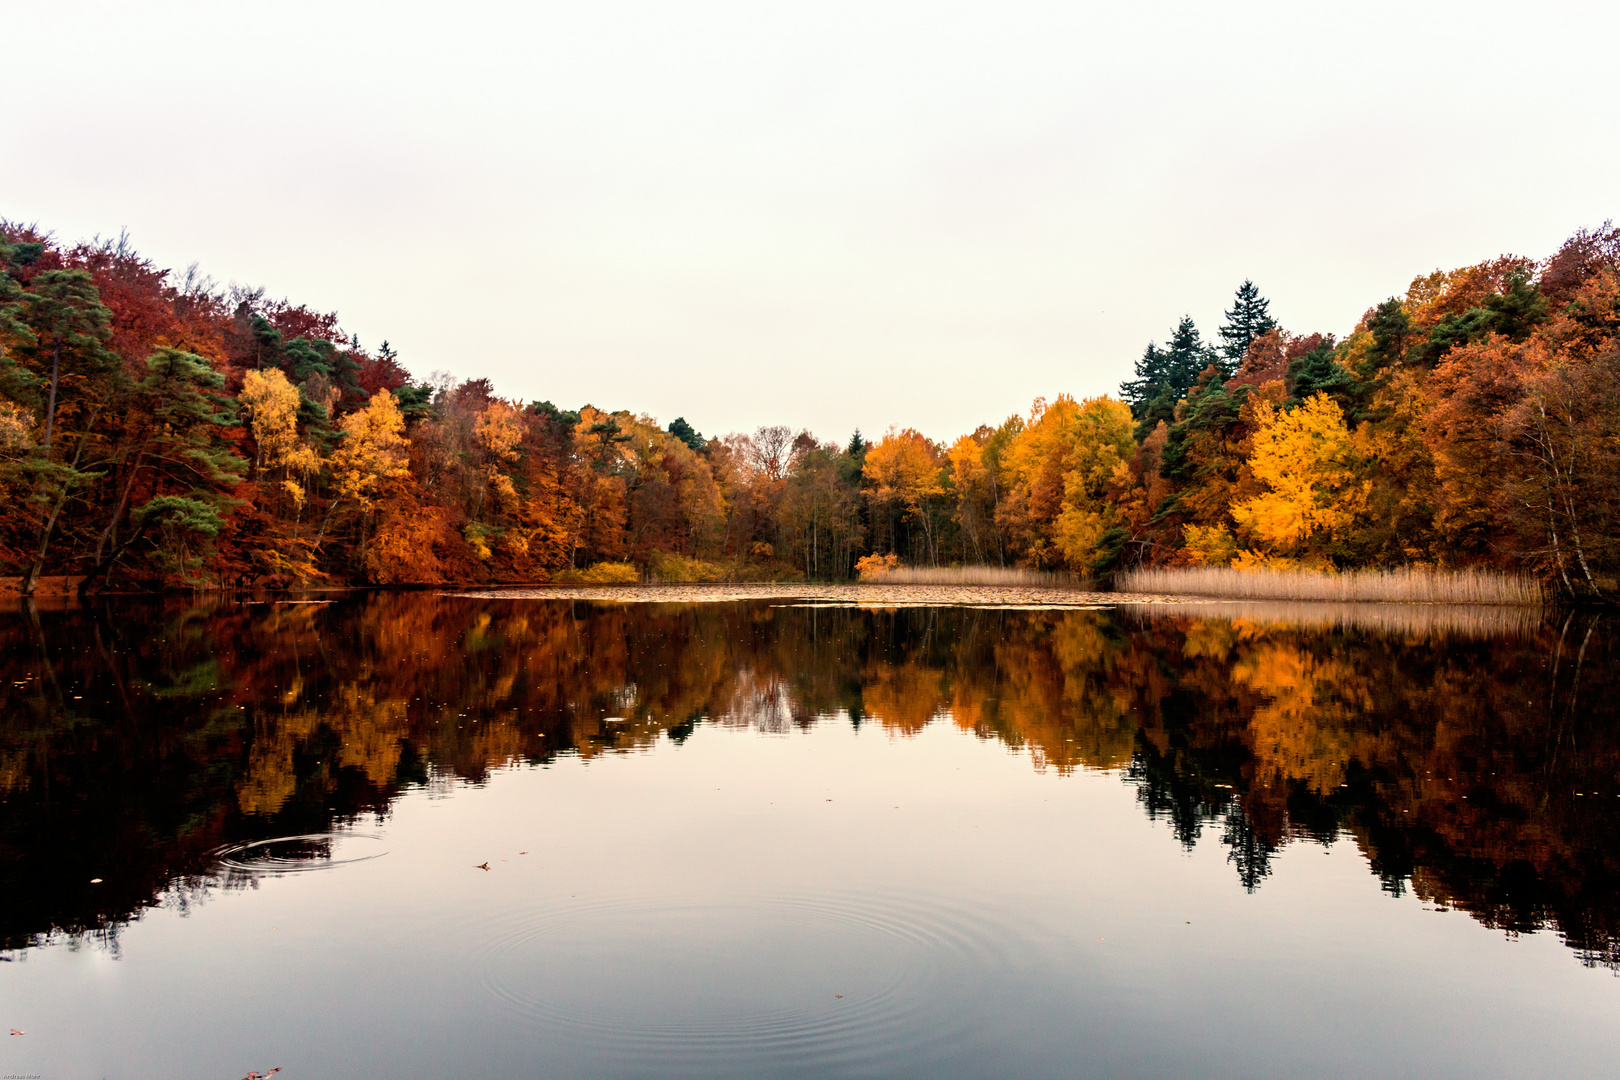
x=903 y=467
x=1101 y=442
x=975 y=482
x=1208 y=545
x=499 y=432
x=1305 y=458
x=272 y=404
x=1032 y=478
x=373 y=453
x=1057 y=475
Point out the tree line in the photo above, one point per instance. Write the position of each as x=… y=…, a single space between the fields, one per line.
x=158 y=430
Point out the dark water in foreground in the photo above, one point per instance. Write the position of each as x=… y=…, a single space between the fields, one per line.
x=753 y=840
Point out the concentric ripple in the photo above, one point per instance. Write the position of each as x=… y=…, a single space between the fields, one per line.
x=827 y=978
x=298 y=854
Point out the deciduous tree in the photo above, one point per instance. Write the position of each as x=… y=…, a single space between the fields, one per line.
x=1304 y=458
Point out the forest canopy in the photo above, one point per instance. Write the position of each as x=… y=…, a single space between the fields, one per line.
x=158 y=430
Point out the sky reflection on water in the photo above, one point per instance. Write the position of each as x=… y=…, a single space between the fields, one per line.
x=750 y=839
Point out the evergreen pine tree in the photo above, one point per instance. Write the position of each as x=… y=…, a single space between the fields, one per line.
x=1140 y=392
x=1186 y=358
x=1249 y=317
x=683 y=431
x=1517 y=309
x=60 y=356
x=415 y=402
x=1319 y=372
x=1392 y=331
x=1210 y=408
x=1163 y=376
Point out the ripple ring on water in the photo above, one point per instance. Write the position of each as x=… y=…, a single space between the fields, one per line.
x=789 y=976
x=293 y=854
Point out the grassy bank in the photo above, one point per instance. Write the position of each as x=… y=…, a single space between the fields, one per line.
x=1404 y=586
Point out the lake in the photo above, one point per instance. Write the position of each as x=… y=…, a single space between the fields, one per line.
x=810 y=834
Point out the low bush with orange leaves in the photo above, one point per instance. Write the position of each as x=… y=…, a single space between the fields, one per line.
x=876 y=567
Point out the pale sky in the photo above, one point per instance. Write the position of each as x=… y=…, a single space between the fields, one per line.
x=824 y=215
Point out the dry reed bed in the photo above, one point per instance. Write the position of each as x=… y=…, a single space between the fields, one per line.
x=1402 y=586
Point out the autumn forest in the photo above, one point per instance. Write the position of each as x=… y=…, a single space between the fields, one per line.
x=160 y=431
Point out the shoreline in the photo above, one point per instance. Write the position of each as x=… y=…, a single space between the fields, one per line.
x=1411 y=617
x=872 y=592
x=56 y=592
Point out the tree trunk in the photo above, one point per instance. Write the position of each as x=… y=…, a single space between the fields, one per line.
x=37 y=566
x=50 y=403
x=123 y=501
x=1562 y=481
x=326 y=520
x=1558 y=553
x=101 y=569
x=31 y=579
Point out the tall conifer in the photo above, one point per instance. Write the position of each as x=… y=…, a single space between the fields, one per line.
x=1248 y=318
x=1164 y=375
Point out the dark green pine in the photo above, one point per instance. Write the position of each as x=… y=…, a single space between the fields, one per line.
x=1247 y=319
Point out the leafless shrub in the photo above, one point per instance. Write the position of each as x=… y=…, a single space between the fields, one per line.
x=771 y=450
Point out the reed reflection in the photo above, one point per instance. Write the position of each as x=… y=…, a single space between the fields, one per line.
x=138 y=742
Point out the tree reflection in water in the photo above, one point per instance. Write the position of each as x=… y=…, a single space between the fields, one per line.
x=1474 y=763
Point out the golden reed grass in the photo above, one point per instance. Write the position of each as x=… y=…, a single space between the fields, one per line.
x=1410 y=585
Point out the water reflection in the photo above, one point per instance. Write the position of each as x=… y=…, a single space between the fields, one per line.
x=168 y=749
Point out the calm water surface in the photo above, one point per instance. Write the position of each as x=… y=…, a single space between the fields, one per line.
x=420 y=836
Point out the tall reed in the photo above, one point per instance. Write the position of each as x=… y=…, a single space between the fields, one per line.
x=1409 y=585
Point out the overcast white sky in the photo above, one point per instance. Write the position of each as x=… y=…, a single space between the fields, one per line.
x=824 y=215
